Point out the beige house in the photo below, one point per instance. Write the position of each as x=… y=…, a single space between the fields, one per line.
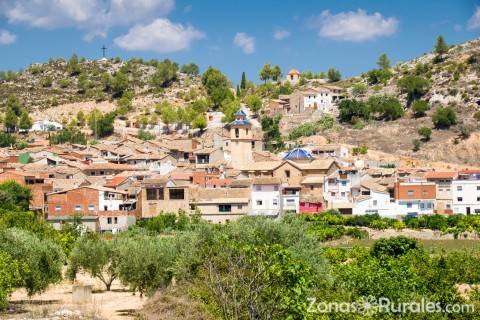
x=443 y=183
x=221 y=205
x=163 y=195
x=242 y=141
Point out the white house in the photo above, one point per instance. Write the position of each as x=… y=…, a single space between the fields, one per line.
x=290 y=197
x=46 y=125
x=415 y=197
x=338 y=189
x=374 y=199
x=266 y=199
x=316 y=99
x=466 y=192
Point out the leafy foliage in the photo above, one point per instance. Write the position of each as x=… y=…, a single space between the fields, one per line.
x=444 y=117
x=217 y=85
x=67 y=136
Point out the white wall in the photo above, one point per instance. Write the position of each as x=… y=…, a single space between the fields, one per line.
x=267 y=195
x=322 y=99
x=405 y=207
x=111 y=204
x=379 y=202
x=470 y=191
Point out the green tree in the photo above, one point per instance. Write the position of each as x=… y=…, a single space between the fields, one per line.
x=351 y=109
x=420 y=108
x=359 y=89
x=190 y=69
x=229 y=108
x=25 y=121
x=145 y=264
x=68 y=136
x=444 y=117
x=333 y=75
x=73 y=66
x=97 y=256
x=266 y=72
x=81 y=118
x=168 y=114
x=253 y=102
x=9 y=278
x=243 y=82
x=276 y=73
x=120 y=83
x=217 y=85
x=441 y=46
x=383 y=62
x=11 y=120
x=376 y=76
x=385 y=107
x=414 y=86
x=101 y=124
x=425 y=132
x=41 y=259
x=6 y=140
x=14 y=196
x=395 y=246
x=165 y=74
x=200 y=122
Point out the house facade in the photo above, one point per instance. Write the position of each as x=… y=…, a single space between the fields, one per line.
x=466 y=192
x=266 y=197
x=415 y=197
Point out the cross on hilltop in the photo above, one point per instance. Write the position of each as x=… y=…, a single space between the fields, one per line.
x=103 y=50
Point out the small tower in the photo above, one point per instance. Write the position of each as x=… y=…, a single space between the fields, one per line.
x=241 y=140
x=293 y=76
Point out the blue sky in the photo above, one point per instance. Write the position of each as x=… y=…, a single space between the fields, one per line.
x=234 y=36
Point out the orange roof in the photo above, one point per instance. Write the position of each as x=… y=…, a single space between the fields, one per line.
x=219 y=182
x=293 y=71
x=115 y=182
x=181 y=175
x=470 y=171
x=440 y=175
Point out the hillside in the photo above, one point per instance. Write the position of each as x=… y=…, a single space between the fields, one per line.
x=453 y=80
x=57 y=89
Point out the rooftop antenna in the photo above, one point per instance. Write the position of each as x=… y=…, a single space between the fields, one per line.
x=103 y=50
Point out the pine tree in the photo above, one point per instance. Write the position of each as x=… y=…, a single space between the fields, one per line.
x=383 y=62
x=11 y=120
x=25 y=121
x=238 y=91
x=441 y=46
x=243 y=83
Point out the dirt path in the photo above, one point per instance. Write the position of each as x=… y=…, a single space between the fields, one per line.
x=56 y=303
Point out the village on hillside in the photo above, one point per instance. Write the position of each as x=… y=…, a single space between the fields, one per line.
x=226 y=173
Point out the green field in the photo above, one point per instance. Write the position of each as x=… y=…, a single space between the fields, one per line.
x=430 y=245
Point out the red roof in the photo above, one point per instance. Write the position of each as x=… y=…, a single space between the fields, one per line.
x=440 y=175
x=115 y=182
x=470 y=171
x=219 y=182
x=181 y=175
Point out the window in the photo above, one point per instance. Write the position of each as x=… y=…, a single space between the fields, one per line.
x=311 y=187
x=459 y=188
x=290 y=200
x=344 y=183
x=477 y=211
x=253 y=144
x=259 y=202
x=275 y=202
x=448 y=206
x=342 y=194
x=237 y=133
x=78 y=207
x=422 y=205
x=287 y=173
x=410 y=193
x=91 y=207
x=375 y=202
x=115 y=220
x=478 y=198
x=239 y=207
x=478 y=188
x=109 y=220
x=409 y=204
x=225 y=208
x=58 y=208
x=459 y=199
x=177 y=194
x=275 y=188
x=258 y=188
x=152 y=194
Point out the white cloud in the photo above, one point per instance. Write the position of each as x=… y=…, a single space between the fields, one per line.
x=245 y=42
x=474 y=22
x=160 y=36
x=7 y=37
x=281 y=34
x=94 y=16
x=355 y=26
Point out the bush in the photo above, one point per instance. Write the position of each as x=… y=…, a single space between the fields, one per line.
x=416 y=145
x=414 y=86
x=395 y=246
x=351 y=109
x=420 y=107
x=145 y=135
x=444 y=117
x=425 y=132
x=68 y=136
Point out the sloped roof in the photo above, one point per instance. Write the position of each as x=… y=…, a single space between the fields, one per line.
x=440 y=175
x=266 y=181
x=298 y=153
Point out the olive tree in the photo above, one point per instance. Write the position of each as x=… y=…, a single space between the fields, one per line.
x=41 y=259
x=98 y=257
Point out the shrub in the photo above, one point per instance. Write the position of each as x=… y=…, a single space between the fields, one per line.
x=395 y=246
x=476 y=116
x=416 y=145
x=420 y=107
x=425 y=132
x=444 y=117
